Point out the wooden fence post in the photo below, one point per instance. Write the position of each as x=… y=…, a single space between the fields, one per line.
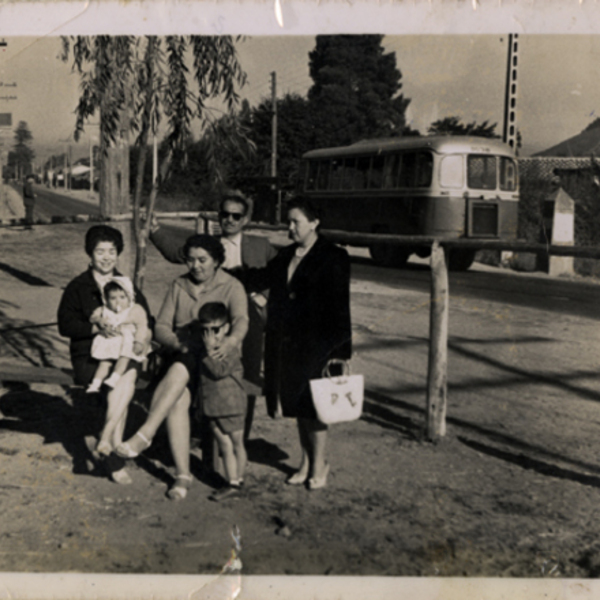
x=201 y=224
x=437 y=376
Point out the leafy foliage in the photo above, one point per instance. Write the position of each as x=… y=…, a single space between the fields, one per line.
x=21 y=155
x=356 y=88
x=454 y=126
x=354 y=96
x=135 y=82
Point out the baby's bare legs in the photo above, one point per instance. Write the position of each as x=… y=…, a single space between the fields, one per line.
x=121 y=365
x=104 y=367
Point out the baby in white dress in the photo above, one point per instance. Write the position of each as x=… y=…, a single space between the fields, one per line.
x=129 y=323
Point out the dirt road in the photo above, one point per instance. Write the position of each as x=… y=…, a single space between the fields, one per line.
x=511 y=491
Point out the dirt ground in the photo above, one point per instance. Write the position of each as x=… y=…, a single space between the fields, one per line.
x=511 y=491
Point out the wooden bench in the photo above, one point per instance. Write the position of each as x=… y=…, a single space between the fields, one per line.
x=32 y=374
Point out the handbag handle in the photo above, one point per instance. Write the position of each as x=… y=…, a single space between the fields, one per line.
x=337 y=361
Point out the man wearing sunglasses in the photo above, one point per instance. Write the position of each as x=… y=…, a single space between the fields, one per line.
x=241 y=251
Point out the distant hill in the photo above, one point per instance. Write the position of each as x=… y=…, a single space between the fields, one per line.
x=582 y=144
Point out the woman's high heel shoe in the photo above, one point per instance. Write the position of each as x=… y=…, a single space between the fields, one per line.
x=297 y=478
x=124 y=450
x=315 y=483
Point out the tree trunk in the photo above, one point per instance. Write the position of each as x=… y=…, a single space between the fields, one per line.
x=141 y=229
x=114 y=191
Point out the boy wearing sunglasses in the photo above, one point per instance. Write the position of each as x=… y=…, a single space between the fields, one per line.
x=223 y=398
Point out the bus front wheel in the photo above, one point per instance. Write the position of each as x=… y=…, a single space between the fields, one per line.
x=388 y=255
x=461 y=259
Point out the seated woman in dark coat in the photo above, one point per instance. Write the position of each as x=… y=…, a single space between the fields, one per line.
x=308 y=324
x=82 y=296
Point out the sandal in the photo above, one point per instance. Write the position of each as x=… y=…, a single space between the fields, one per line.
x=315 y=483
x=124 y=450
x=121 y=476
x=103 y=448
x=297 y=478
x=180 y=489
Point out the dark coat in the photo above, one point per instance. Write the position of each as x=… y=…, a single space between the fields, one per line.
x=308 y=322
x=80 y=299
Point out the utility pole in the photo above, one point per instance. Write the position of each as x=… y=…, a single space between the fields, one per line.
x=274 y=187
x=509 y=135
x=91 y=165
x=154 y=159
x=70 y=169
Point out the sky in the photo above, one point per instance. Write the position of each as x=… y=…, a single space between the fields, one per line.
x=443 y=75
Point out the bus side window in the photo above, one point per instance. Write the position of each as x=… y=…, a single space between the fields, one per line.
x=311 y=179
x=451 y=171
x=481 y=172
x=376 y=173
x=349 y=173
x=407 y=172
x=508 y=175
x=424 y=169
x=390 y=171
x=323 y=176
x=336 y=174
x=362 y=173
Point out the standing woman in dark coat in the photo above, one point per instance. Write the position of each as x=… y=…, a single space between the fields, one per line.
x=82 y=296
x=308 y=323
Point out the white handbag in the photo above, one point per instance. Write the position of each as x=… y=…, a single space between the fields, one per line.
x=339 y=398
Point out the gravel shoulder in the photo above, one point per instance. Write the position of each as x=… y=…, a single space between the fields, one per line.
x=511 y=491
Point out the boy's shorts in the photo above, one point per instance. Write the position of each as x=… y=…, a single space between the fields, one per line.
x=230 y=424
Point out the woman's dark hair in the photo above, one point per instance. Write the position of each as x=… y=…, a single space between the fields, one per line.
x=207 y=242
x=310 y=209
x=102 y=233
x=213 y=311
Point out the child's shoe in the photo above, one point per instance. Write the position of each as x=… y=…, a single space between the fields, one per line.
x=112 y=380
x=94 y=387
x=229 y=491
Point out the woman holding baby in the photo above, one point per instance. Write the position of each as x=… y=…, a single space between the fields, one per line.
x=81 y=317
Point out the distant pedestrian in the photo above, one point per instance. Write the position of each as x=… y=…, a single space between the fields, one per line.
x=29 y=201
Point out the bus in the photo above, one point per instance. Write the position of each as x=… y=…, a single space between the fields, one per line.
x=446 y=187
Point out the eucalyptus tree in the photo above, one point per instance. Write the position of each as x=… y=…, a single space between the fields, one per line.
x=356 y=92
x=134 y=83
x=22 y=154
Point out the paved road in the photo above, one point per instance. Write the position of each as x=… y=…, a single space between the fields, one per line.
x=576 y=297
x=50 y=203
x=579 y=297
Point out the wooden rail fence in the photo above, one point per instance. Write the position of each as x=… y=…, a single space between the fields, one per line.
x=437 y=378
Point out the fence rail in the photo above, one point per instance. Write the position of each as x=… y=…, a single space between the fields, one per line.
x=438 y=336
